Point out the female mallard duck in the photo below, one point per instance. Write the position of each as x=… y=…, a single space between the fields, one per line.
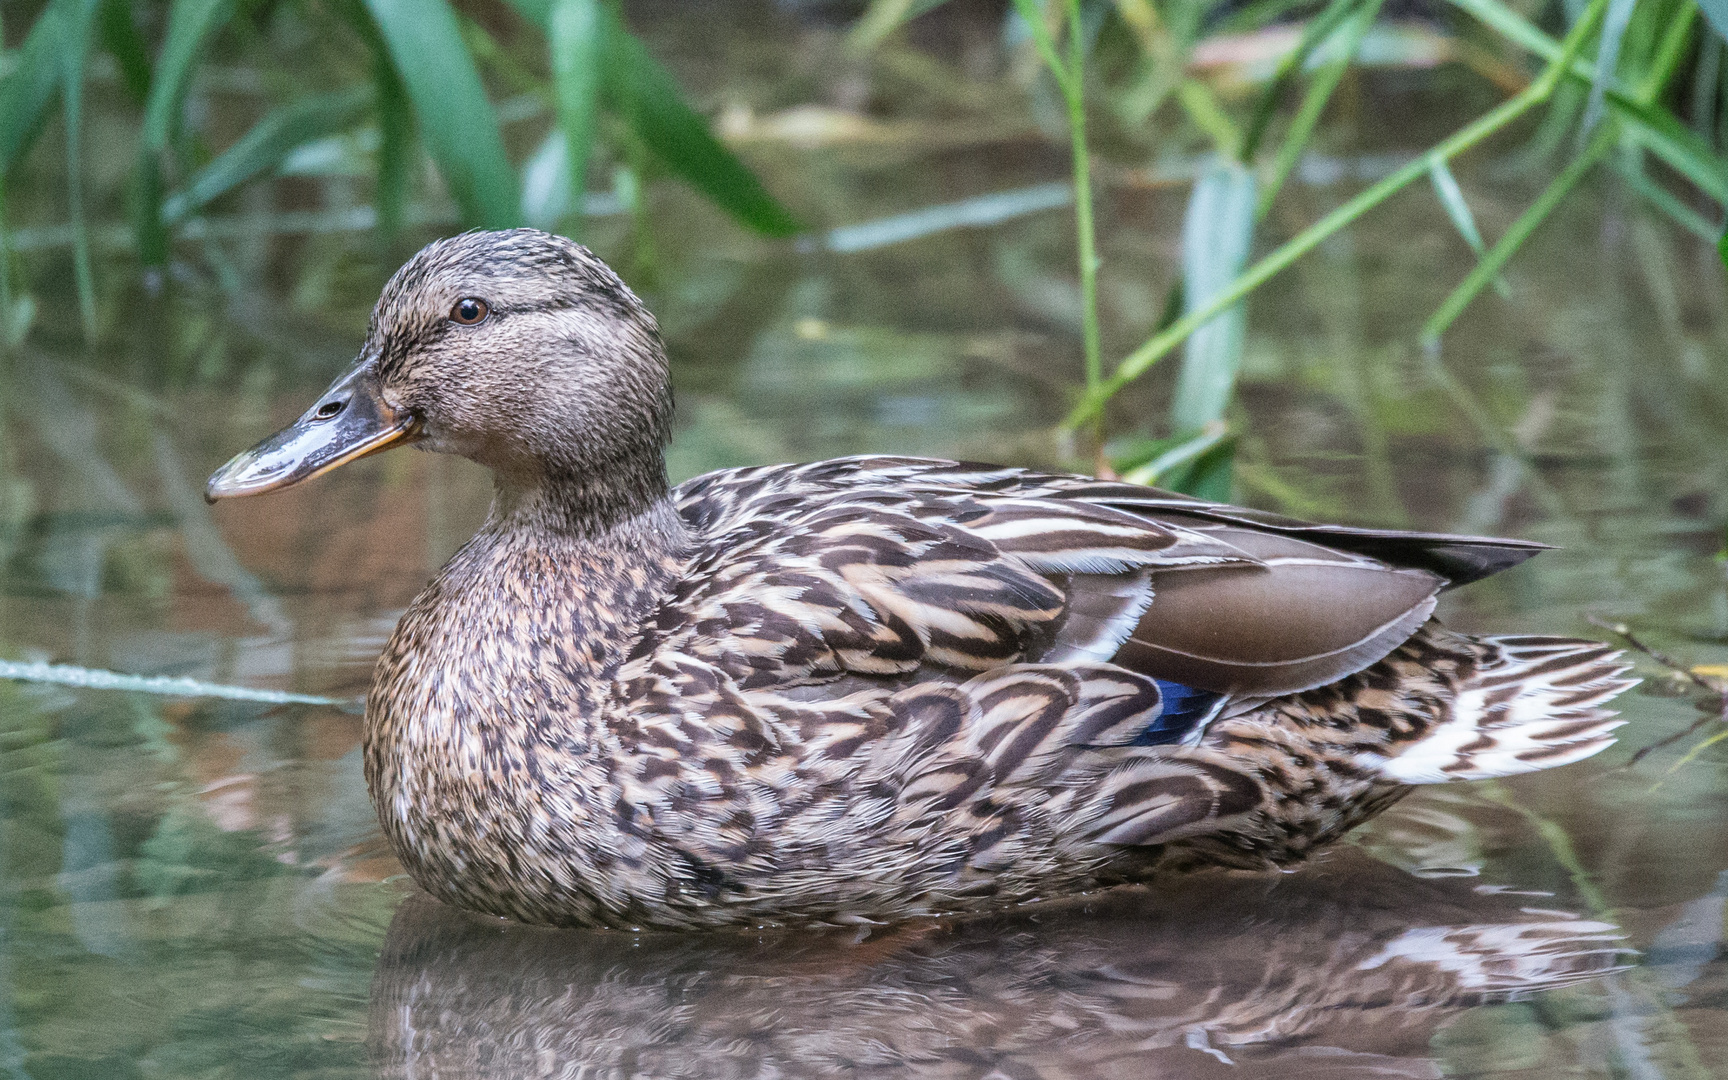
x=872 y=687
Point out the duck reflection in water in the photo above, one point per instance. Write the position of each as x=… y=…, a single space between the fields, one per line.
x=1346 y=969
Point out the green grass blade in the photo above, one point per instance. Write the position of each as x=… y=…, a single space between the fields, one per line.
x=538 y=12
x=1206 y=113
x=1490 y=264
x=1614 y=26
x=190 y=24
x=1032 y=14
x=1209 y=476
x=1457 y=208
x=1326 y=80
x=121 y=38
x=1664 y=200
x=1126 y=453
x=976 y=212
x=575 y=37
x=1254 y=15
x=1164 y=456
x=1671 y=50
x=1085 y=233
x=1217 y=234
x=1678 y=146
x=882 y=18
x=648 y=98
x=75 y=53
x=1194 y=463
x=455 y=119
x=144 y=207
x=264 y=147
x=6 y=340
x=1514 y=28
x=396 y=160
x=1198 y=464
x=1318 y=29
x=395 y=142
x=29 y=87
x=1161 y=343
x=1666 y=59
x=1452 y=198
x=1496 y=119
x=546 y=183
x=1716 y=13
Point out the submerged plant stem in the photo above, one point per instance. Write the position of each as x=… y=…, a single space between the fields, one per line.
x=1642 y=1007
x=1559 y=842
x=97 y=679
x=1494 y=433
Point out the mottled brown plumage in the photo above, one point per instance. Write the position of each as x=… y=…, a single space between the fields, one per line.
x=872 y=687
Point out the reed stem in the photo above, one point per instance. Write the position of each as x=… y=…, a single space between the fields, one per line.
x=1161 y=344
x=1075 y=93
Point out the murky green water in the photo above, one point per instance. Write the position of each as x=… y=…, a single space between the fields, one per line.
x=195 y=888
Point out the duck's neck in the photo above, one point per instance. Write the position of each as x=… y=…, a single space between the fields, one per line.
x=503 y=671
x=598 y=555
x=599 y=505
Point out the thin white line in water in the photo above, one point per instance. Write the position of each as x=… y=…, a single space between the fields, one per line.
x=97 y=679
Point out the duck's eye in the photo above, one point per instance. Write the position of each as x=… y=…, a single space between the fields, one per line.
x=469 y=310
x=329 y=409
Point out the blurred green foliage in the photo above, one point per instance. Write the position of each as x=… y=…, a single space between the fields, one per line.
x=395 y=83
x=189 y=890
x=1624 y=54
x=422 y=82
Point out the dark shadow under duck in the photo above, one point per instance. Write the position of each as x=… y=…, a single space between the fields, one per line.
x=872 y=687
x=1347 y=969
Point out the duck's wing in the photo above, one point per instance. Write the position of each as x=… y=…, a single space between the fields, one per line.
x=892 y=566
x=1459 y=559
x=796 y=578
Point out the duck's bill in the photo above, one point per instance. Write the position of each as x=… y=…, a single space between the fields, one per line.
x=347 y=422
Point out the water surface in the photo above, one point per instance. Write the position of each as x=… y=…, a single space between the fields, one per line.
x=198 y=888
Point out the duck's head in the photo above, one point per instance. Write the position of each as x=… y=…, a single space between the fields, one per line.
x=518 y=349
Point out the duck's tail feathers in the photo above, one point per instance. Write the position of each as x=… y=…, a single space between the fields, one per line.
x=1532 y=703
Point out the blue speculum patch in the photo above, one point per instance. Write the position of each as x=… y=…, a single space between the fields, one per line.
x=1184 y=707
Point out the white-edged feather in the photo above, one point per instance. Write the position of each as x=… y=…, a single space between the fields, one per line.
x=1538 y=706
